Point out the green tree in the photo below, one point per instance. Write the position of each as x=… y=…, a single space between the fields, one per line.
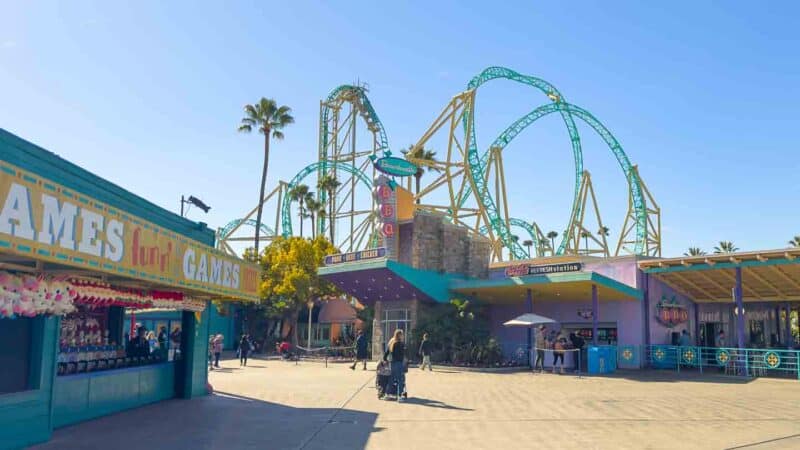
x=289 y=276
x=694 y=251
x=422 y=157
x=795 y=242
x=528 y=243
x=603 y=231
x=268 y=119
x=330 y=185
x=552 y=235
x=725 y=247
x=298 y=194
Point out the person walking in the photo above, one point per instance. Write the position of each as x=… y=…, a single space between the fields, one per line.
x=541 y=344
x=244 y=349
x=425 y=349
x=211 y=352
x=397 y=349
x=361 y=350
x=218 y=340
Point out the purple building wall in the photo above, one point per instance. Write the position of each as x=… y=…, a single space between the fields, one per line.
x=660 y=333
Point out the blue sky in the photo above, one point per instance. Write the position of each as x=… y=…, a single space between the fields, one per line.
x=702 y=96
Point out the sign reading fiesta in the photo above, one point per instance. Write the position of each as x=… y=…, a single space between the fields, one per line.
x=43 y=220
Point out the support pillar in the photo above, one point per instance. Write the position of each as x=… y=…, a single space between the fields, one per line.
x=737 y=293
x=595 y=313
x=529 y=303
x=789 y=337
x=646 y=317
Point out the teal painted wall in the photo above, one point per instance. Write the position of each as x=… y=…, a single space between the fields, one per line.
x=226 y=325
x=28 y=156
x=26 y=416
x=192 y=382
x=86 y=396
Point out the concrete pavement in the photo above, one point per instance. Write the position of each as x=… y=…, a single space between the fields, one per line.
x=281 y=405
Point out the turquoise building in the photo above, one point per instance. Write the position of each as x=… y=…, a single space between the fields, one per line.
x=78 y=255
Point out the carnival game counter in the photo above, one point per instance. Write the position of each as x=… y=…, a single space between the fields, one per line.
x=84 y=396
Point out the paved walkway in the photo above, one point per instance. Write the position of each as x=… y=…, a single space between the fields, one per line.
x=280 y=405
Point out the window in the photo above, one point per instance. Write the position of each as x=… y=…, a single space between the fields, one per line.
x=396 y=319
x=15 y=355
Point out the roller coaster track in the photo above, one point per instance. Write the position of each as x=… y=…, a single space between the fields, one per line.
x=286 y=205
x=478 y=166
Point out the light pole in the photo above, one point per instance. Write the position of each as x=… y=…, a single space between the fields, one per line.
x=310 y=309
x=192 y=200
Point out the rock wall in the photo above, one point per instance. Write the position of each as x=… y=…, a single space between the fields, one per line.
x=440 y=246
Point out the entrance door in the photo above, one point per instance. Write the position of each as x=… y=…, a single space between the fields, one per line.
x=396 y=319
x=709 y=334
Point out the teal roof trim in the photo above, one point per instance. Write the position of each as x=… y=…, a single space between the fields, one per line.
x=434 y=284
x=722 y=265
x=44 y=163
x=531 y=280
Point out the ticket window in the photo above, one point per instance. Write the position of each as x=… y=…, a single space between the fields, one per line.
x=606 y=332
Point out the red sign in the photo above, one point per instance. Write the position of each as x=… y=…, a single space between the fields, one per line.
x=670 y=312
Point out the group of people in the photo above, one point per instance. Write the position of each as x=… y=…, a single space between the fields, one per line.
x=145 y=342
x=558 y=343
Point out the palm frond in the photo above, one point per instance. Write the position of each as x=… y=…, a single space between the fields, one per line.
x=277 y=135
x=245 y=128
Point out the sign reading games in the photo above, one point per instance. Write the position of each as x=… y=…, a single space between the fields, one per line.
x=43 y=220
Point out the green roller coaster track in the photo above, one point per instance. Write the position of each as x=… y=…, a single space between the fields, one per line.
x=286 y=205
x=522 y=224
x=371 y=117
x=479 y=166
x=225 y=231
x=640 y=211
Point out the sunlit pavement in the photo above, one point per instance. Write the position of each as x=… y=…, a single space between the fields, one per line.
x=276 y=405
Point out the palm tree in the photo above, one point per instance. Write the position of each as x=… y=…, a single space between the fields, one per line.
x=329 y=184
x=795 y=242
x=552 y=235
x=694 y=251
x=298 y=194
x=528 y=243
x=603 y=231
x=585 y=235
x=268 y=119
x=313 y=206
x=725 y=247
x=420 y=154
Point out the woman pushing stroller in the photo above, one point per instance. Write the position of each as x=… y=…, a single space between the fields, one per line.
x=397 y=349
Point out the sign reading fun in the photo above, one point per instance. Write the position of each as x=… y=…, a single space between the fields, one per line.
x=43 y=220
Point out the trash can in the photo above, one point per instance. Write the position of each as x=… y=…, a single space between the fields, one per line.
x=602 y=359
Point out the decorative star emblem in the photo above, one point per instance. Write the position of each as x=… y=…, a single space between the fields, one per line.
x=772 y=359
x=627 y=354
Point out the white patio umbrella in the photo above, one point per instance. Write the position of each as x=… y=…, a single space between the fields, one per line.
x=528 y=320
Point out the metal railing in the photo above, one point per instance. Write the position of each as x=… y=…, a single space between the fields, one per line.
x=744 y=362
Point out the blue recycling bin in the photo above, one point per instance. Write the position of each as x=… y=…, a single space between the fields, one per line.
x=602 y=359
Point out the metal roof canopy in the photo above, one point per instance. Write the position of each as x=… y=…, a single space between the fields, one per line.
x=769 y=275
x=560 y=287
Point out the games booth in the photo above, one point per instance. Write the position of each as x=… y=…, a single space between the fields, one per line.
x=78 y=253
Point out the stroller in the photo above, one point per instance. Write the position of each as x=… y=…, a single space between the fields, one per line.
x=383 y=378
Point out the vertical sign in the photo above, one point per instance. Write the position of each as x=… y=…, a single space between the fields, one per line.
x=386 y=200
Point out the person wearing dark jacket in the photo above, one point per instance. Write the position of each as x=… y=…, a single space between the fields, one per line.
x=578 y=343
x=244 y=349
x=397 y=349
x=361 y=350
x=425 y=349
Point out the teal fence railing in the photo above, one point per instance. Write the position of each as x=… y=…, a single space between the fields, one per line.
x=744 y=362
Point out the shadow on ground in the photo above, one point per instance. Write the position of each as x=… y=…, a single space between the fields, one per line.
x=219 y=421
